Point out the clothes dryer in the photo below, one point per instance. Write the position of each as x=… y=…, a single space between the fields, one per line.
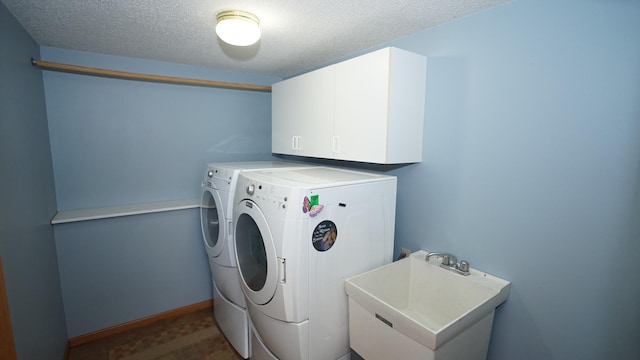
x=298 y=234
x=216 y=213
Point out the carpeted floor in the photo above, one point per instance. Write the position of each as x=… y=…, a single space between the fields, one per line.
x=193 y=336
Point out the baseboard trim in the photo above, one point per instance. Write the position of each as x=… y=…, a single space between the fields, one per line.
x=135 y=324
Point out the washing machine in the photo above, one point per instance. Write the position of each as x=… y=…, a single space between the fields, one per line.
x=299 y=233
x=216 y=213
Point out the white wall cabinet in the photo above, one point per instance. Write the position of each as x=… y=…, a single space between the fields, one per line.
x=302 y=113
x=368 y=109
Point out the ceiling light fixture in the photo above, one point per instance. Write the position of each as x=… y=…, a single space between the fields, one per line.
x=238 y=28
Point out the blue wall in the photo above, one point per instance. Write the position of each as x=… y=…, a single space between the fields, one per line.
x=27 y=201
x=531 y=170
x=126 y=268
x=117 y=142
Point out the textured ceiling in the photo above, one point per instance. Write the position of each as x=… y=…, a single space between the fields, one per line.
x=296 y=34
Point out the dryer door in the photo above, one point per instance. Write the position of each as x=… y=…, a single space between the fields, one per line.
x=212 y=222
x=255 y=253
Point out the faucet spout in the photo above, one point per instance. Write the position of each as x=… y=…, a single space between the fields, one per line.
x=447 y=259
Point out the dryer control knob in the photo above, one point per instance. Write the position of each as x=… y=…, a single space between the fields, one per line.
x=210 y=174
x=251 y=189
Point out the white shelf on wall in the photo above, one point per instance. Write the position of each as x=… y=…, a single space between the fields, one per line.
x=69 y=216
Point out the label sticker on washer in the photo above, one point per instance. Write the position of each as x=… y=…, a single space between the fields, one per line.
x=311 y=205
x=324 y=235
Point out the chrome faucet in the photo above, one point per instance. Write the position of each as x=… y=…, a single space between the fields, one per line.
x=447 y=259
x=450 y=262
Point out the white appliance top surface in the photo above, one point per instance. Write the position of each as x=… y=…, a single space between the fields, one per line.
x=315 y=176
x=247 y=165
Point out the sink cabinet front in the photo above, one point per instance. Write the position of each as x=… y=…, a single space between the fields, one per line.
x=368 y=109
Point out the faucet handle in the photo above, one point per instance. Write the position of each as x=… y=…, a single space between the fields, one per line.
x=449 y=260
x=464 y=266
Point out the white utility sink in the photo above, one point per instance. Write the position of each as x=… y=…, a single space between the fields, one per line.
x=414 y=308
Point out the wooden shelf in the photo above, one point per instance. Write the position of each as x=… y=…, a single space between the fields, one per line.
x=69 y=216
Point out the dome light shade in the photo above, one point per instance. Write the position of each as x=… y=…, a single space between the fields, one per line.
x=238 y=28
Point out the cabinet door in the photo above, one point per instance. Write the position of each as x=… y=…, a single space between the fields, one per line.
x=302 y=113
x=362 y=100
x=408 y=74
x=380 y=107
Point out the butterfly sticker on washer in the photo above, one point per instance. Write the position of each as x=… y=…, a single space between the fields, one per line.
x=311 y=205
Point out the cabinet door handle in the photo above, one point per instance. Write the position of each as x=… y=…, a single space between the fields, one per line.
x=334 y=145
x=295 y=142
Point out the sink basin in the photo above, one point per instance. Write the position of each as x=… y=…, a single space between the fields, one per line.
x=417 y=302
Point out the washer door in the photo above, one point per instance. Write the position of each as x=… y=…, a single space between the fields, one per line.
x=212 y=222
x=255 y=253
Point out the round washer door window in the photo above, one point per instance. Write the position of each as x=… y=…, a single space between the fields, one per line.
x=256 y=255
x=212 y=229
